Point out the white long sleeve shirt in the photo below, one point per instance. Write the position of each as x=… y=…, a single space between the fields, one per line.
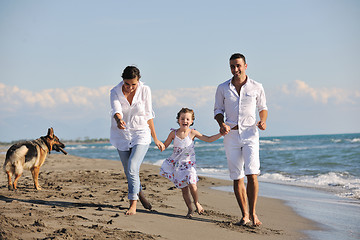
x=240 y=109
x=136 y=115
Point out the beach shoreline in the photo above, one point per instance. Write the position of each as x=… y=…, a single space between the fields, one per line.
x=86 y=198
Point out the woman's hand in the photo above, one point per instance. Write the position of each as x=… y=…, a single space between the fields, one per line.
x=160 y=145
x=119 y=122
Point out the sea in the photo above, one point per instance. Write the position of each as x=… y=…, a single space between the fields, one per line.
x=317 y=175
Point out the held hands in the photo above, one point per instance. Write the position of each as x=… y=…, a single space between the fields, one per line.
x=224 y=129
x=160 y=145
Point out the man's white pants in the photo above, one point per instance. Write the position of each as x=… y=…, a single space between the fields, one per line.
x=242 y=155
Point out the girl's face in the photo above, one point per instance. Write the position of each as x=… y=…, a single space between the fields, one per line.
x=185 y=120
x=130 y=85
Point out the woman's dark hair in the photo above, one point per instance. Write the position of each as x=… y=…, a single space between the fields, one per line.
x=131 y=72
x=186 y=110
x=238 y=55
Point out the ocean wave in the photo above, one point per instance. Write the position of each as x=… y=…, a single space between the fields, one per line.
x=290 y=148
x=343 y=183
x=351 y=140
x=156 y=163
x=213 y=170
x=298 y=148
x=214 y=173
x=269 y=142
x=199 y=144
x=79 y=147
x=3 y=150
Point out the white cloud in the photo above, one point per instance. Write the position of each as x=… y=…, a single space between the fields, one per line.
x=83 y=111
x=196 y=97
x=324 y=95
x=12 y=98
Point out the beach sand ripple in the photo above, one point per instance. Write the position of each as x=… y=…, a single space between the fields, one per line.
x=87 y=199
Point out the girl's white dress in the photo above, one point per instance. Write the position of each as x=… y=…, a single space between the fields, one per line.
x=180 y=166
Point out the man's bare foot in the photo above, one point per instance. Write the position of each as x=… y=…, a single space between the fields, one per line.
x=199 y=208
x=144 y=201
x=256 y=221
x=244 y=221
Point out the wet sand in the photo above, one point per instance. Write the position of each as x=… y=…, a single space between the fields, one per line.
x=87 y=199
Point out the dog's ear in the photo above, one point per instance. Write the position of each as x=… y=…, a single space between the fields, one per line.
x=51 y=133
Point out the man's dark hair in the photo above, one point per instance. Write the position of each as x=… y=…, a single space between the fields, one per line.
x=131 y=72
x=238 y=55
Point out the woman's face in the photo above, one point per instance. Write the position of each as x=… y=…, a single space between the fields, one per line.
x=130 y=85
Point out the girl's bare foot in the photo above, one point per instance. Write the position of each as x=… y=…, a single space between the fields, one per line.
x=199 y=208
x=190 y=214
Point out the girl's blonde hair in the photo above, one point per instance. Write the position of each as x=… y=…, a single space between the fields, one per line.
x=186 y=110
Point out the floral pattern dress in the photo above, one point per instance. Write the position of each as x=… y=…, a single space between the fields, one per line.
x=180 y=166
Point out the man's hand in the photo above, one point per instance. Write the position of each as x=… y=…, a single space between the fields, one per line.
x=261 y=125
x=224 y=129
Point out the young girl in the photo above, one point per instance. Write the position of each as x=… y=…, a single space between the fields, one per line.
x=180 y=166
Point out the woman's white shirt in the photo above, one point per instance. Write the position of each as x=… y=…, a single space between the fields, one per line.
x=136 y=116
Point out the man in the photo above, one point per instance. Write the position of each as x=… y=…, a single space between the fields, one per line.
x=237 y=99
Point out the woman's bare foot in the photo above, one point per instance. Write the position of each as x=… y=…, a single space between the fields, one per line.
x=132 y=208
x=199 y=208
x=255 y=220
x=144 y=201
x=131 y=211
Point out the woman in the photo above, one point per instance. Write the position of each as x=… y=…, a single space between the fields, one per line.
x=132 y=126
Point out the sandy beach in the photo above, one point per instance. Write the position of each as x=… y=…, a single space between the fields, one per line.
x=86 y=199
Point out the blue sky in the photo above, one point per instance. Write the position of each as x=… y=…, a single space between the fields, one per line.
x=59 y=59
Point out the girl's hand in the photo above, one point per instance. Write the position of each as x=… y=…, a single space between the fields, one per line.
x=160 y=145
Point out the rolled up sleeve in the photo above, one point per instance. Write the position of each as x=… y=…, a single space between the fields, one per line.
x=219 y=106
x=261 y=100
x=115 y=103
x=149 y=112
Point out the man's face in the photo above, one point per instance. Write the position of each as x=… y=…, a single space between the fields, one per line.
x=238 y=67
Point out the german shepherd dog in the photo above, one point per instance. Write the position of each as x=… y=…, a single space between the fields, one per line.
x=30 y=155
